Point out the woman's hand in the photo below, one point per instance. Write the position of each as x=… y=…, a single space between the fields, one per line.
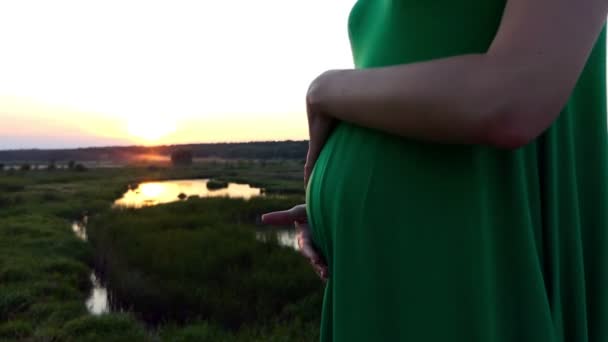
x=320 y=124
x=297 y=216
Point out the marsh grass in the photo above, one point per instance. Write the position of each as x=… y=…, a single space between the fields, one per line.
x=243 y=290
x=200 y=260
x=44 y=268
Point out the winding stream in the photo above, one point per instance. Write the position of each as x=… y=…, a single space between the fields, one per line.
x=154 y=193
x=97 y=302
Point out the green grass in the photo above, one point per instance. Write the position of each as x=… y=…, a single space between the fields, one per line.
x=200 y=259
x=216 y=281
x=44 y=268
x=115 y=327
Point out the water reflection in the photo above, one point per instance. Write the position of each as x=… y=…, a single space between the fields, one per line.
x=97 y=302
x=80 y=230
x=153 y=193
x=285 y=237
x=288 y=238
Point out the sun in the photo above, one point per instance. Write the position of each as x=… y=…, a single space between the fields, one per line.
x=150 y=129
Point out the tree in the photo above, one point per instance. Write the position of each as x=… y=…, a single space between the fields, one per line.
x=181 y=157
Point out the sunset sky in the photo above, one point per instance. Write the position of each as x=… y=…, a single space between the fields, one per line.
x=94 y=73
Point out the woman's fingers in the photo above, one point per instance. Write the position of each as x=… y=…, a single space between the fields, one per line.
x=305 y=243
x=309 y=166
x=309 y=251
x=319 y=127
x=286 y=217
x=311 y=159
x=297 y=216
x=321 y=272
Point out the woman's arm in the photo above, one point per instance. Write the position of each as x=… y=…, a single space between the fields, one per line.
x=505 y=97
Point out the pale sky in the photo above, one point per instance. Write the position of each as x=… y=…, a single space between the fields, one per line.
x=85 y=73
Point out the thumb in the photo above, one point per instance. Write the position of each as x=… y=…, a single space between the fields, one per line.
x=286 y=217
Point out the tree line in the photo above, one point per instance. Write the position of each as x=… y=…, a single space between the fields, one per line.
x=250 y=150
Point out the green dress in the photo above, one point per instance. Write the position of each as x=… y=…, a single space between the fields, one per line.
x=458 y=243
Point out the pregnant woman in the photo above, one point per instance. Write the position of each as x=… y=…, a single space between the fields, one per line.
x=457 y=179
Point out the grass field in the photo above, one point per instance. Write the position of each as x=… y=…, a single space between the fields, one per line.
x=187 y=271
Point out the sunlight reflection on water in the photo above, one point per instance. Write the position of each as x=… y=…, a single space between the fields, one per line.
x=97 y=302
x=79 y=228
x=284 y=237
x=153 y=193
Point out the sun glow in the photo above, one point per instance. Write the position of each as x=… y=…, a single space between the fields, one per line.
x=150 y=129
x=163 y=72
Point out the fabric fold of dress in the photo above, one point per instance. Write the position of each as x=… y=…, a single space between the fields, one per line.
x=434 y=242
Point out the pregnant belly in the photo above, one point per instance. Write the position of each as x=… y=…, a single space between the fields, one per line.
x=365 y=176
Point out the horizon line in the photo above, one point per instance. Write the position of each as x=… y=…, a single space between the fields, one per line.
x=148 y=146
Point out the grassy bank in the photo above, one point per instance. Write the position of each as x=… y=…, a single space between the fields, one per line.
x=44 y=268
x=199 y=260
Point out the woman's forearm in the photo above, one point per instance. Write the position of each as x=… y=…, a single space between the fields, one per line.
x=466 y=99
